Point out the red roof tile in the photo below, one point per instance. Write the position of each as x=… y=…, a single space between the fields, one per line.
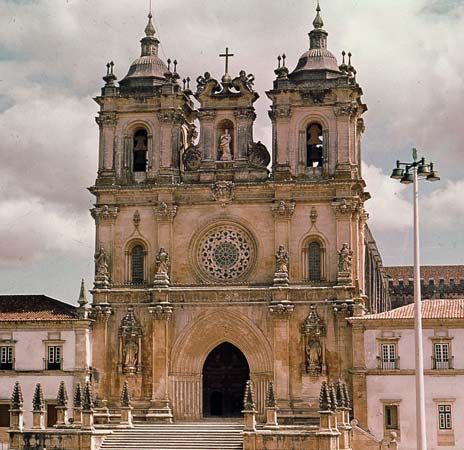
x=26 y=308
x=431 y=309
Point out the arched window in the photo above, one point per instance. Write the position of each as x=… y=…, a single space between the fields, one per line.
x=314 y=145
x=140 y=151
x=137 y=258
x=314 y=261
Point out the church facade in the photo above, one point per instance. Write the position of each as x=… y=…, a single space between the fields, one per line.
x=218 y=260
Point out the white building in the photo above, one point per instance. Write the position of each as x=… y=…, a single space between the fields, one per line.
x=389 y=355
x=45 y=341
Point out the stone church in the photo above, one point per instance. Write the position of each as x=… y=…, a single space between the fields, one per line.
x=219 y=260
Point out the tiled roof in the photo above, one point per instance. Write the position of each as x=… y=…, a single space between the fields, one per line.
x=427 y=273
x=431 y=309
x=25 y=308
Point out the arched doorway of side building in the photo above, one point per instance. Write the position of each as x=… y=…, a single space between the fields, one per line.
x=225 y=373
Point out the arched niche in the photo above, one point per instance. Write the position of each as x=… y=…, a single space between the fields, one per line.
x=225 y=133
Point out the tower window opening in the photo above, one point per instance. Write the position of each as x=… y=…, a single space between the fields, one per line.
x=314 y=145
x=140 y=151
x=137 y=265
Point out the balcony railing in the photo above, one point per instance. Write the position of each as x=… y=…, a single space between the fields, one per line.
x=442 y=364
x=391 y=364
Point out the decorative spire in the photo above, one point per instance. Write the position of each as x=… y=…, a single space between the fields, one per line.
x=87 y=400
x=77 y=400
x=17 y=401
x=82 y=297
x=333 y=397
x=249 y=397
x=270 y=397
x=347 y=396
x=318 y=36
x=340 y=388
x=125 y=395
x=150 y=41
x=38 y=402
x=150 y=28
x=325 y=401
x=318 y=22
x=62 y=396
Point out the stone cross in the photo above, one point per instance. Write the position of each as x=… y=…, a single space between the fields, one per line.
x=227 y=55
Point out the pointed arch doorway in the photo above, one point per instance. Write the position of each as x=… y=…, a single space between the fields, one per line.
x=225 y=373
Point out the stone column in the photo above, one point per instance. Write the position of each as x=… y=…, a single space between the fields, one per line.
x=281 y=115
x=107 y=123
x=359 y=374
x=207 y=134
x=244 y=120
x=280 y=310
x=160 y=410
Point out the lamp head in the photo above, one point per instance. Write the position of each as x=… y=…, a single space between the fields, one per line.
x=408 y=178
x=397 y=173
x=423 y=170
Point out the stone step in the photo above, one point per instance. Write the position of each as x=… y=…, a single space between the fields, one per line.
x=188 y=436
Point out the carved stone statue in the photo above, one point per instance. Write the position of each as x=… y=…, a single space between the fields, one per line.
x=345 y=256
x=281 y=260
x=162 y=261
x=130 y=353
x=101 y=264
x=224 y=146
x=313 y=352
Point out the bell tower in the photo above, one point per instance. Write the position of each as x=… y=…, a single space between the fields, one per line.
x=316 y=115
x=143 y=121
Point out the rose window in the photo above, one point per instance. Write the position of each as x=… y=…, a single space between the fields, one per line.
x=225 y=253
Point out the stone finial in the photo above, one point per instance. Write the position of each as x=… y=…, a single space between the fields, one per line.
x=77 y=399
x=325 y=400
x=249 y=397
x=38 y=402
x=87 y=399
x=125 y=395
x=340 y=394
x=62 y=396
x=82 y=297
x=318 y=22
x=17 y=401
x=270 y=396
x=347 y=396
x=333 y=397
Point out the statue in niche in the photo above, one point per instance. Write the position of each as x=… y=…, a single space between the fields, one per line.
x=162 y=261
x=224 y=146
x=281 y=260
x=101 y=264
x=130 y=353
x=345 y=256
x=313 y=352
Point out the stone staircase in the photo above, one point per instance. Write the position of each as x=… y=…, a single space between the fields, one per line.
x=191 y=436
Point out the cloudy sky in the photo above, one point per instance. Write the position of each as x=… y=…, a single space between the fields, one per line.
x=53 y=53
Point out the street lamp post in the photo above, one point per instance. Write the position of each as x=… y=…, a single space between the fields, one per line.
x=407 y=175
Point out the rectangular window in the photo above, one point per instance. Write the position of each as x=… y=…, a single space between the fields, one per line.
x=444 y=417
x=54 y=357
x=391 y=417
x=441 y=356
x=4 y=416
x=6 y=357
x=388 y=356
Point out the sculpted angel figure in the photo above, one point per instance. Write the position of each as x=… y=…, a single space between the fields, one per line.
x=281 y=260
x=131 y=353
x=313 y=352
x=162 y=261
x=224 y=146
x=345 y=256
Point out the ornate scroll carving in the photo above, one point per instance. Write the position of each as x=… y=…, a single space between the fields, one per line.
x=130 y=344
x=346 y=109
x=163 y=211
x=161 y=311
x=345 y=207
x=281 y=112
x=223 y=192
x=258 y=155
x=107 y=120
x=314 y=332
x=104 y=212
x=283 y=209
x=171 y=115
x=281 y=310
